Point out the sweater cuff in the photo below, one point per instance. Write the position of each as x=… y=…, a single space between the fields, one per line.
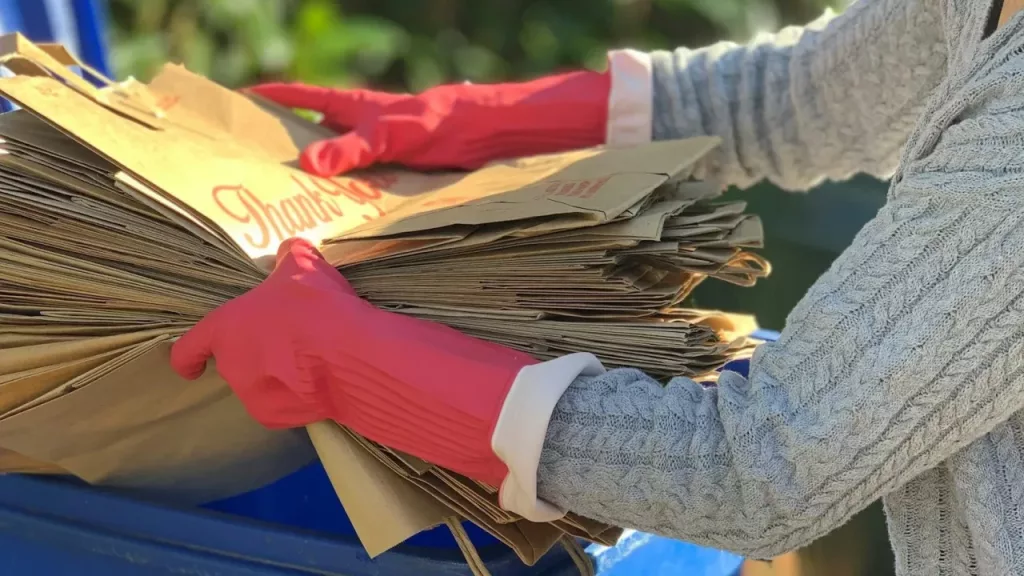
x=523 y=425
x=630 y=104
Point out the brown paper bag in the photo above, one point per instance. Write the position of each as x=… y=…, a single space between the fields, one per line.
x=561 y=245
x=14 y=463
x=149 y=431
x=231 y=186
x=97 y=456
x=387 y=514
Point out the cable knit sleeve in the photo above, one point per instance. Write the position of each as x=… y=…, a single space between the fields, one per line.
x=829 y=100
x=907 y=350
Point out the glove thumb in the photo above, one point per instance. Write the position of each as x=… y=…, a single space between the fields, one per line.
x=335 y=156
x=191 y=352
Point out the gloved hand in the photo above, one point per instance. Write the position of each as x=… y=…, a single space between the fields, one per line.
x=452 y=126
x=303 y=347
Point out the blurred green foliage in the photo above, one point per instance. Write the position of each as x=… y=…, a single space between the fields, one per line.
x=413 y=44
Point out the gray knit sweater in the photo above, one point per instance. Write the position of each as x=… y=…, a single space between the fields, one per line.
x=901 y=372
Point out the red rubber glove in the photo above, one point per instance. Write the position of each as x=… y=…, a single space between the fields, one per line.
x=302 y=347
x=452 y=126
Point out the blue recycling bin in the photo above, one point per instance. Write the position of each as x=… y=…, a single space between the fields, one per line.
x=80 y=25
x=295 y=526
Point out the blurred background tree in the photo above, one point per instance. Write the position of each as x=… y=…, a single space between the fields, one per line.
x=413 y=44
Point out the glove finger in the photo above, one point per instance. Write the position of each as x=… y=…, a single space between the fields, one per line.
x=191 y=352
x=340 y=107
x=338 y=155
x=293 y=95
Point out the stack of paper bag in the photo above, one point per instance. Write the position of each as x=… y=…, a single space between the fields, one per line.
x=128 y=212
x=553 y=288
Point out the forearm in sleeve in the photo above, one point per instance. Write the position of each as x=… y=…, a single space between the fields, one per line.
x=908 y=349
x=826 y=101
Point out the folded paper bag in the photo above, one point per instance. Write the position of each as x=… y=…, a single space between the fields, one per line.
x=143 y=429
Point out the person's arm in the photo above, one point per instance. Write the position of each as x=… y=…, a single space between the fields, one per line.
x=908 y=349
x=829 y=100
x=834 y=98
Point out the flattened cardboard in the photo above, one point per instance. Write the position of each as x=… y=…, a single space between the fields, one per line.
x=144 y=429
x=14 y=463
x=612 y=179
x=385 y=517
x=591 y=250
x=259 y=203
x=24 y=388
x=13 y=360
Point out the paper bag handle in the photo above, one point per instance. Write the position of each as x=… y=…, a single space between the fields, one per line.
x=579 y=556
x=476 y=564
x=129 y=98
x=469 y=551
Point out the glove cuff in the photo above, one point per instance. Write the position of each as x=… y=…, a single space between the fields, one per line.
x=522 y=426
x=631 y=100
